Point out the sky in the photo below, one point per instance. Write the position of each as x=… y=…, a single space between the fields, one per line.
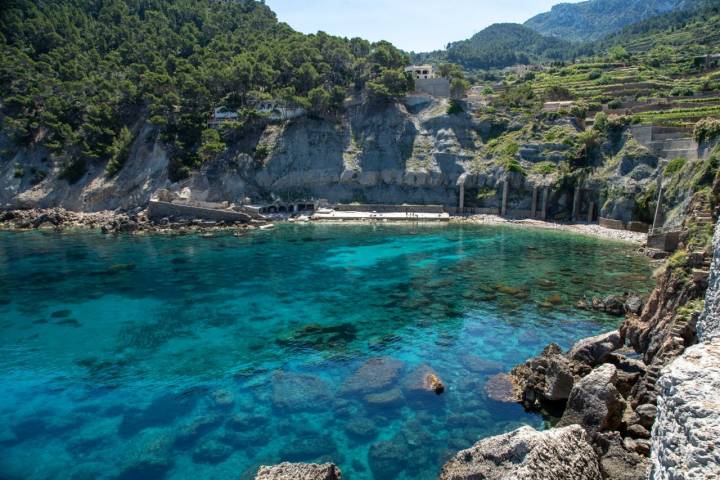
x=413 y=25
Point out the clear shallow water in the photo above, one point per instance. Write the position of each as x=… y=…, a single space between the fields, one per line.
x=197 y=358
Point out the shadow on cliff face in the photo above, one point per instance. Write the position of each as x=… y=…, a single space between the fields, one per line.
x=384 y=135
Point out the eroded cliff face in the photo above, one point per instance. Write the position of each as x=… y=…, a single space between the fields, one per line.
x=687 y=428
x=408 y=152
x=398 y=153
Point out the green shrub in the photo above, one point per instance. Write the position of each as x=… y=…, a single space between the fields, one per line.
x=455 y=107
x=511 y=165
x=674 y=166
x=706 y=130
x=601 y=122
x=682 y=92
x=594 y=75
x=544 y=168
x=615 y=104
x=73 y=170
x=119 y=151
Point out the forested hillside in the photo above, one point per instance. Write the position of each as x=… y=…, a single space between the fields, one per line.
x=79 y=76
x=692 y=30
x=505 y=44
x=594 y=19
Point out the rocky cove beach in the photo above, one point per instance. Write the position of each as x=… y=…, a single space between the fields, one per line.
x=137 y=221
x=266 y=358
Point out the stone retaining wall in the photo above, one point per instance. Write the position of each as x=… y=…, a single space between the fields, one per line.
x=158 y=210
x=358 y=207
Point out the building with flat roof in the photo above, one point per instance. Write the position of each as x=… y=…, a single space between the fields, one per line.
x=421 y=72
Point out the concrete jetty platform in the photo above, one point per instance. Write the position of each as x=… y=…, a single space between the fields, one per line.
x=342 y=215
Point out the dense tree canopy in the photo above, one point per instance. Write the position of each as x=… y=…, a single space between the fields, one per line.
x=81 y=77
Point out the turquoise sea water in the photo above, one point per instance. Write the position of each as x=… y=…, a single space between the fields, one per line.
x=202 y=358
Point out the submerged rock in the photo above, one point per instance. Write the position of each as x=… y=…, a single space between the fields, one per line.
x=526 y=454
x=361 y=429
x=376 y=375
x=148 y=457
x=500 y=388
x=211 y=452
x=304 y=449
x=299 y=471
x=480 y=365
x=595 y=403
x=391 y=398
x=298 y=392
x=387 y=459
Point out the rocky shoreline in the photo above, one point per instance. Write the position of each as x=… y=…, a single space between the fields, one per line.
x=137 y=221
x=109 y=222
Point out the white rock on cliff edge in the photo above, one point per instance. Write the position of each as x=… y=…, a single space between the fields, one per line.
x=526 y=454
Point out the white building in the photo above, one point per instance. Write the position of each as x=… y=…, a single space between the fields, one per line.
x=421 y=72
x=279 y=110
x=223 y=114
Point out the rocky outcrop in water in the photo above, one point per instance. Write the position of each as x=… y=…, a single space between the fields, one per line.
x=299 y=471
x=525 y=454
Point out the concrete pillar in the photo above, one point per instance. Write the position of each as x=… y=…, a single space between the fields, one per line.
x=461 y=202
x=591 y=212
x=506 y=188
x=534 y=202
x=295 y=208
x=576 y=204
x=545 y=203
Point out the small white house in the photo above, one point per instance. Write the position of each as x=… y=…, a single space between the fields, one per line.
x=223 y=114
x=421 y=72
x=279 y=110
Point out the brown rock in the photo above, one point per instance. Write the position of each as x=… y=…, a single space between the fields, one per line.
x=299 y=471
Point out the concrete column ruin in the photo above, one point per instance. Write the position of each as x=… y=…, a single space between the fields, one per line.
x=545 y=203
x=591 y=212
x=534 y=202
x=506 y=188
x=461 y=202
x=576 y=204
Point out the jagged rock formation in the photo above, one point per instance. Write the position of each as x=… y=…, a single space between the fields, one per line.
x=688 y=423
x=299 y=471
x=525 y=454
x=595 y=403
x=687 y=428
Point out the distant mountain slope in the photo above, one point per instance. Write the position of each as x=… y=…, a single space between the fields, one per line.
x=692 y=30
x=594 y=19
x=506 y=44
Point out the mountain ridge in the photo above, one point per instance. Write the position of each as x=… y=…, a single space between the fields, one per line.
x=594 y=19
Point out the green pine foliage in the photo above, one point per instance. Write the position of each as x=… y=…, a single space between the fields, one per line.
x=75 y=75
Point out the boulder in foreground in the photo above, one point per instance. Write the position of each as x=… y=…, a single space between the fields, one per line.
x=299 y=471
x=595 y=402
x=526 y=454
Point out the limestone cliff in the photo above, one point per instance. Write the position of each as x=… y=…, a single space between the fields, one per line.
x=687 y=427
x=407 y=152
